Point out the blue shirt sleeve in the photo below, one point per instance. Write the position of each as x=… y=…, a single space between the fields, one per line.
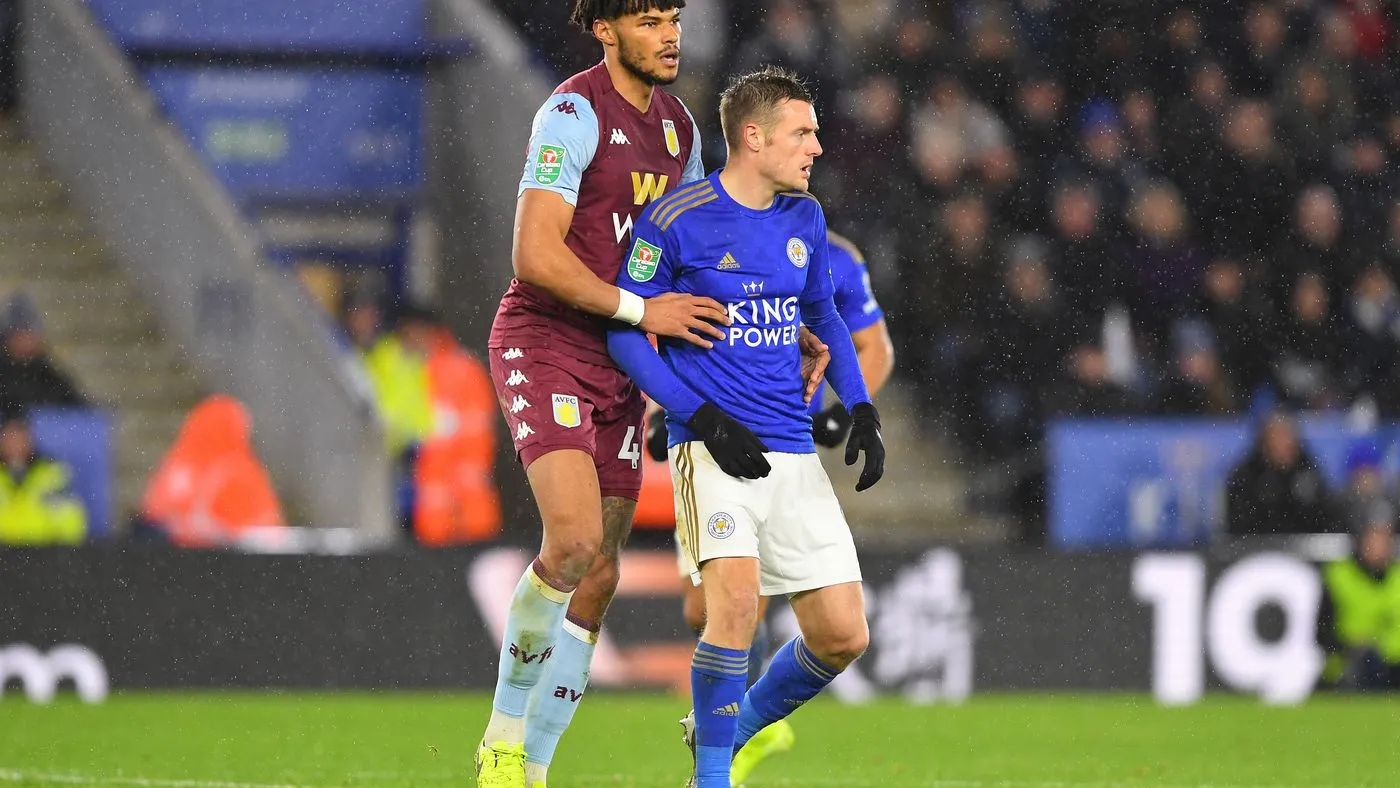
x=820 y=315
x=855 y=300
x=563 y=139
x=649 y=270
x=694 y=166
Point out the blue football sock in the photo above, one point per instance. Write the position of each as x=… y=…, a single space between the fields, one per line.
x=536 y=611
x=794 y=677
x=555 y=699
x=717 y=678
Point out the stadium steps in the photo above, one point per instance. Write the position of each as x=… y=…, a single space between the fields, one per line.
x=923 y=495
x=98 y=327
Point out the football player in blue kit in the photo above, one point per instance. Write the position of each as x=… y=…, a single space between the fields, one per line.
x=756 y=514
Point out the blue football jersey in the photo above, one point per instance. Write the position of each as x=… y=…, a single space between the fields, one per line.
x=855 y=299
x=765 y=267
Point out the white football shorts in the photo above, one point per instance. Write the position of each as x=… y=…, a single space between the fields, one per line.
x=790 y=520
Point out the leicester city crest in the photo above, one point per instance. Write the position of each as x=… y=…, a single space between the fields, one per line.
x=721 y=525
x=797 y=251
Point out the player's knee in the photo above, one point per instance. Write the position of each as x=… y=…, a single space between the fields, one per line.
x=604 y=577
x=839 y=650
x=732 y=612
x=572 y=557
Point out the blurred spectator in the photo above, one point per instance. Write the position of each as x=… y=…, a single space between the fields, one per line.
x=1240 y=319
x=1306 y=351
x=27 y=377
x=1024 y=352
x=1277 y=488
x=1088 y=270
x=1315 y=117
x=1196 y=385
x=397 y=363
x=1191 y=131
x=1265 y=52
x=1373 y=339
x=1365 y=484
x=1088 y=389
x=455 y=498
x=1244 y=206
x=1166 y=267
x=1359 y=615
x=363 y=321
x=211 y=488
x=36 y=507
x=1314 y=244
x=950 y=130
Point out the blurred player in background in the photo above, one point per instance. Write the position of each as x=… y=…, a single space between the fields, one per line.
x=757 y=514
x=606 y=143
x=859 y=309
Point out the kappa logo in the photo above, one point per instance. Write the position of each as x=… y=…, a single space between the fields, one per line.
x=523 y=431
x=528 y=658
x=39 y=673
x=728 y=263
x=618 y=138
x=518 y=404
x=512 y=354
x=516 y=377
x=566 y=107
x=564 y=693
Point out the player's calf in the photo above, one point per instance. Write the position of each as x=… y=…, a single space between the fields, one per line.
x=832 y=618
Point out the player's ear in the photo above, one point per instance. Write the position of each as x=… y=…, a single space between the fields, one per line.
x=753 y=137
x=604 y=32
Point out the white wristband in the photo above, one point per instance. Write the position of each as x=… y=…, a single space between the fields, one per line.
x=630 y=307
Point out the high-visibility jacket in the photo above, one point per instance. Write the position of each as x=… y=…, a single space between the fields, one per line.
x=401 y=397
x=456 y=499
x=36 y=509
x=1367 y=611
x=210 y=487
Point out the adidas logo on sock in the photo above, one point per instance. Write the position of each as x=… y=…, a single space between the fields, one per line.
x=731 y=710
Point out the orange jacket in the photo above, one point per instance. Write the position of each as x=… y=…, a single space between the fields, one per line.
x=457 y=500
x=210 y=487
x=656 y=506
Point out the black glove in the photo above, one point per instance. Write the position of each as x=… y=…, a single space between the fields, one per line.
x=656 y=436
x=737 y=451
x=865 y=436
x=829 y=426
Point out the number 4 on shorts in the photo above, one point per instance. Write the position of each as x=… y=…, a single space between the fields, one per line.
x=631 y=448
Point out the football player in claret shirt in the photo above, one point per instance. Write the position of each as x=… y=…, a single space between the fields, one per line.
x=603 y=146
x=756 y=514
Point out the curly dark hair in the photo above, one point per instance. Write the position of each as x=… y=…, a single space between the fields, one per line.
x=586 y=11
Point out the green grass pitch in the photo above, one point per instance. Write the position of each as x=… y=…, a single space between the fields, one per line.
x=221 y=740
